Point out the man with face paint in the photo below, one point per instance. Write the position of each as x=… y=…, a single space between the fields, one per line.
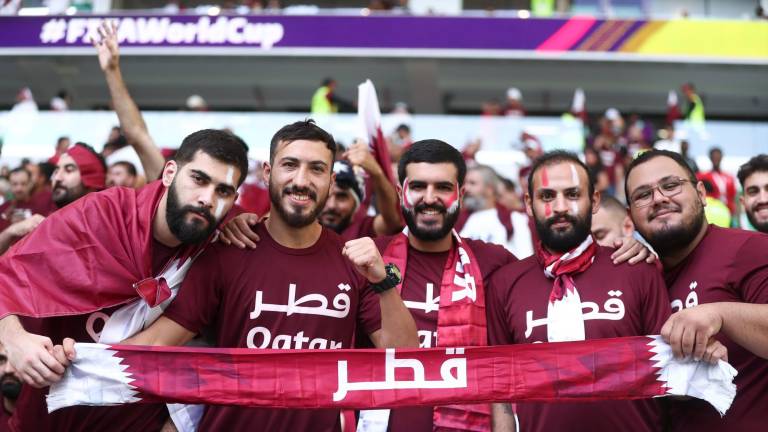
x=297 y=259
x=570 y=290
x=753 y=177
x=435 y=263
x=718 y=284
x=95 y=267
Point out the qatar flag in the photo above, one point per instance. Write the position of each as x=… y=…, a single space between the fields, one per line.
x=369 y=117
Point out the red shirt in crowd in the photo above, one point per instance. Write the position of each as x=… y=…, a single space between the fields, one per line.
x=31 y=410
x=518 y=296
x=727 y=266
x=220 y=292
x=423 y=277
x=724 y=187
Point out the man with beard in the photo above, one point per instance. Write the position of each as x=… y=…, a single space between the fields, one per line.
x=753 y=177
x=10 y=387
x=435 y=263
x=482 y=218
x=21 y=215
x=79 y=170
x=297 y=258
x=94 y=270
x=342 y=212
x=718 y=283
x=540 y=298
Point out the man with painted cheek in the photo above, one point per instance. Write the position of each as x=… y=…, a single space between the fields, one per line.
x=432 y=257
x=753 y=177
x=96 y=266
x=570 y=290
x=718 y=285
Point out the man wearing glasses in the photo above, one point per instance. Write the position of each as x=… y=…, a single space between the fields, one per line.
x=718 y=285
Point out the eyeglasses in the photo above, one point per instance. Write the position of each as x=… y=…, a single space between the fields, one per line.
x=670 y=187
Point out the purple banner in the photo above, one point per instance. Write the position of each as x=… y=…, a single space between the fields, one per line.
x=275 y=33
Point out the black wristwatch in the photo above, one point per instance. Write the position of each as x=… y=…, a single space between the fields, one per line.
x=391 y=280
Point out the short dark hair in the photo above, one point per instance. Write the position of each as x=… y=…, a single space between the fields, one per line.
x=46 y=169
x=131 y=168
x=20 y=169
x=220 y=145
x=654 y=153
x=432 y=151
x=715 y=149
x=610 y=203
x=301 y=130
x=556 y=157
x=758 y=163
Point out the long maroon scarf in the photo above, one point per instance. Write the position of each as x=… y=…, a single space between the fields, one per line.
x=461 y=319
x=602 y=369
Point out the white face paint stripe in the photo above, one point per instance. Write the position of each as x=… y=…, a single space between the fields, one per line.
x=575 y=179
x=231 y=176
x=219 y=209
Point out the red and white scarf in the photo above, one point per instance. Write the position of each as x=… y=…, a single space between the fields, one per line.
x=565 y=321
x=461 y=321
x=618 y=369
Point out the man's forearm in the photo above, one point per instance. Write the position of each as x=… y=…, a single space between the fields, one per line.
x=9 y=325
x=133 y=125
x=386 y=202
x=746 y=324
x=503 y=418
x=398 y=329
x=6 y=241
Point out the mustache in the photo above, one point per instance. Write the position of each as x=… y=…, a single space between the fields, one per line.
x=423 y=207
x=759 y=206
x=561 y=218
x=202 y=211
x=661 y=207
x=298 y=190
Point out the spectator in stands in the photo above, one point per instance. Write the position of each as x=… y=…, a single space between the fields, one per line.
x=492 y=108
x=695 y=109
x=122 y=174
x=596 y=170
x=61 y=102
x=62 y=144
x=715 y=211
x=196 y=102
x=481 y=217
x=753 y=177
x=684 y=146
x=20 y=215
x=399 y=142
x=611 y=222
x=508 y=195
x=724 y=184
x=325 y=100
x=79 y=171
x=514 y=107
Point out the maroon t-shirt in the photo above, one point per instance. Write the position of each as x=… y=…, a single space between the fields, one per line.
x=520 y=291
x=423 y=277
x=727 y=266
x=31 y=410
x=220 y=293
x=360 y=226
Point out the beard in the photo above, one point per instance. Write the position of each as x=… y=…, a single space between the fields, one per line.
x=673 y=238
x=474 y=203
x=341 y=225
x=434 y=232
x=563 y=241
x=760 y=226
x=294 y=217
x=63 y=196
x=10 y=386
x=187 y=231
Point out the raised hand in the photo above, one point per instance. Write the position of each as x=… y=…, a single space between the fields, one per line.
x=107 y=47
